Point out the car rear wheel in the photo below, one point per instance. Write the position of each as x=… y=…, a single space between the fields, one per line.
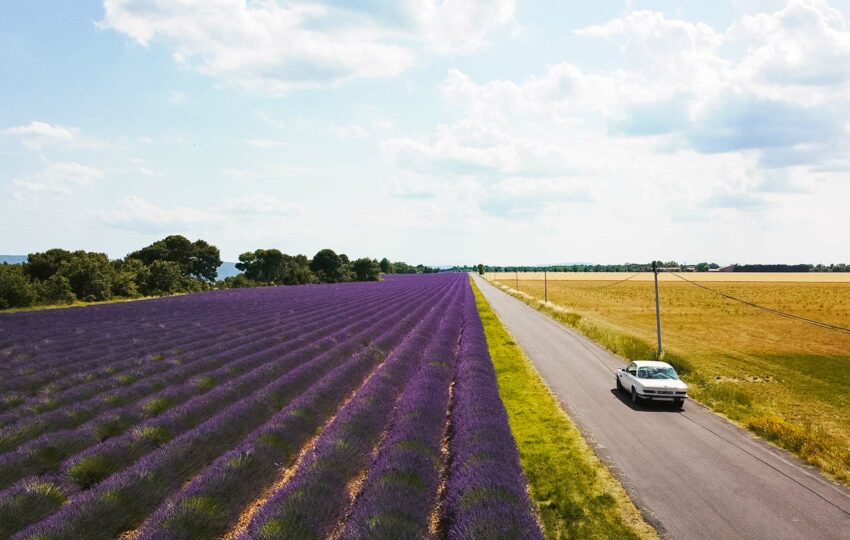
x=635 y=399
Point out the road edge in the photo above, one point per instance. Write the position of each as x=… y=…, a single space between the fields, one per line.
x=511 y=362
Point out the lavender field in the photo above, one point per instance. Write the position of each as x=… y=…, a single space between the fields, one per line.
x=357 y=410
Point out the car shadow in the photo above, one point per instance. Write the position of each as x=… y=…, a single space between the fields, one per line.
x=646 y=406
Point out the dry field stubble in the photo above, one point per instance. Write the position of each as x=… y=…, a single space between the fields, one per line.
x=784 y=379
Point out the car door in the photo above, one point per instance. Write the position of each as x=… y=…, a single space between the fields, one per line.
x=641 y=376
x=630 y=376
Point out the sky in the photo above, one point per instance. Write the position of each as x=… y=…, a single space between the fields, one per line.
x=430 y=131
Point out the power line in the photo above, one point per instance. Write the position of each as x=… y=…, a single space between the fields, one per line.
x=787 y=315
x=596 y=288
x=617 y=283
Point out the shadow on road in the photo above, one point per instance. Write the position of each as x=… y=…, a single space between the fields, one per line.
x=646 y=406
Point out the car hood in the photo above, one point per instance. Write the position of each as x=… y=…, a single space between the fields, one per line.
x=664 y=384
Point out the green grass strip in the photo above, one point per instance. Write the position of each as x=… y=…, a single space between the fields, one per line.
x=574 y=493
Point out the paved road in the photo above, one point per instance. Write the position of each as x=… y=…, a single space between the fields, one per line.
x=692 y=474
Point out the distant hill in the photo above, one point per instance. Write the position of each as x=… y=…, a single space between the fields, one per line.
x=13 y=259
x=227 y=269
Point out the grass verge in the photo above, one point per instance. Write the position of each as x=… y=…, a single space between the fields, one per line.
x=80 y=303
x=574 y=493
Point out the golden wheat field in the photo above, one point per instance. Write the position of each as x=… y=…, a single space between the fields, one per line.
x=785 y=379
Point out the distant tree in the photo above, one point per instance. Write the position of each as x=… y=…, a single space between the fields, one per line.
x=773 y=268
x=43 y=265
x=56 y=290
x=328 y=266
x=164 y=277
x=386 y=266
x=205 y=261
x=130 y=279
x=16 y=290
x=481 y=269
x=346 y=271
x=262 y=265
x=239 y=281
x=403 y=268
x=366 y=269
x=90 y=275
x=296 y=270
x=196 y=259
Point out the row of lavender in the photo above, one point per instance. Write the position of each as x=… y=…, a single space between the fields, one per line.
x=386 y=425
x=443 y=463
x=239 y=385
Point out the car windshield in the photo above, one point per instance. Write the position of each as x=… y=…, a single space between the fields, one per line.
x=657 y=373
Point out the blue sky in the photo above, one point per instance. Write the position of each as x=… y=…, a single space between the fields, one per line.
x=429 y=131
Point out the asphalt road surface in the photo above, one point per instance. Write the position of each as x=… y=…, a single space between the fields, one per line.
x=692 y=473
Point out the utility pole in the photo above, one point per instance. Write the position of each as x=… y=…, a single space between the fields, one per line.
x=516 y=277
x=545 y=286
x=655 y=271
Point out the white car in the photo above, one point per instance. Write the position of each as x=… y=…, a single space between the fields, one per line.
x=651 y=380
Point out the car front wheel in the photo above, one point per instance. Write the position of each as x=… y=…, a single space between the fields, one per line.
x=620 y=386
x=635 y=398
x=679 y=403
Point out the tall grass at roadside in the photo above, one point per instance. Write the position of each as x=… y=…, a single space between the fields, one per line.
x=575 y=495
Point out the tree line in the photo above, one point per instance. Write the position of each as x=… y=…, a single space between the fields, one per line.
x=647 y=267
x=625 y=267
x=792 y=268
x=170 y=266
x=273 y=267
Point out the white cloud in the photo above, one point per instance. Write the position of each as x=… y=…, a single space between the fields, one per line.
x=177 y=97
x=693 y=122
x=140 y=166
x=39 y=135
x=352 y=131
x=807 y=43
x=258 y=204
x=57 y=179
x=273 y=48
x=139 y=215
x=461 y=25
x=136 y=214
x=268 y=120
x=268 y=143
x=472 y=147
x=679 y=91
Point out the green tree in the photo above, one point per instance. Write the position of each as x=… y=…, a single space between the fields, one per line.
x=481 y=269
x=366 y=269
x=296 y=270
x=131 y=276
x=196 y=259
x=16 y=290
x=403 y=268
x=90 y=275
x=328 y=266
x=263 y=265
x=43 y=265
x=205 y=261
x=164 y=277
x=239 y=281
x=346 y=272
x=57 y=290
x=386 y=266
